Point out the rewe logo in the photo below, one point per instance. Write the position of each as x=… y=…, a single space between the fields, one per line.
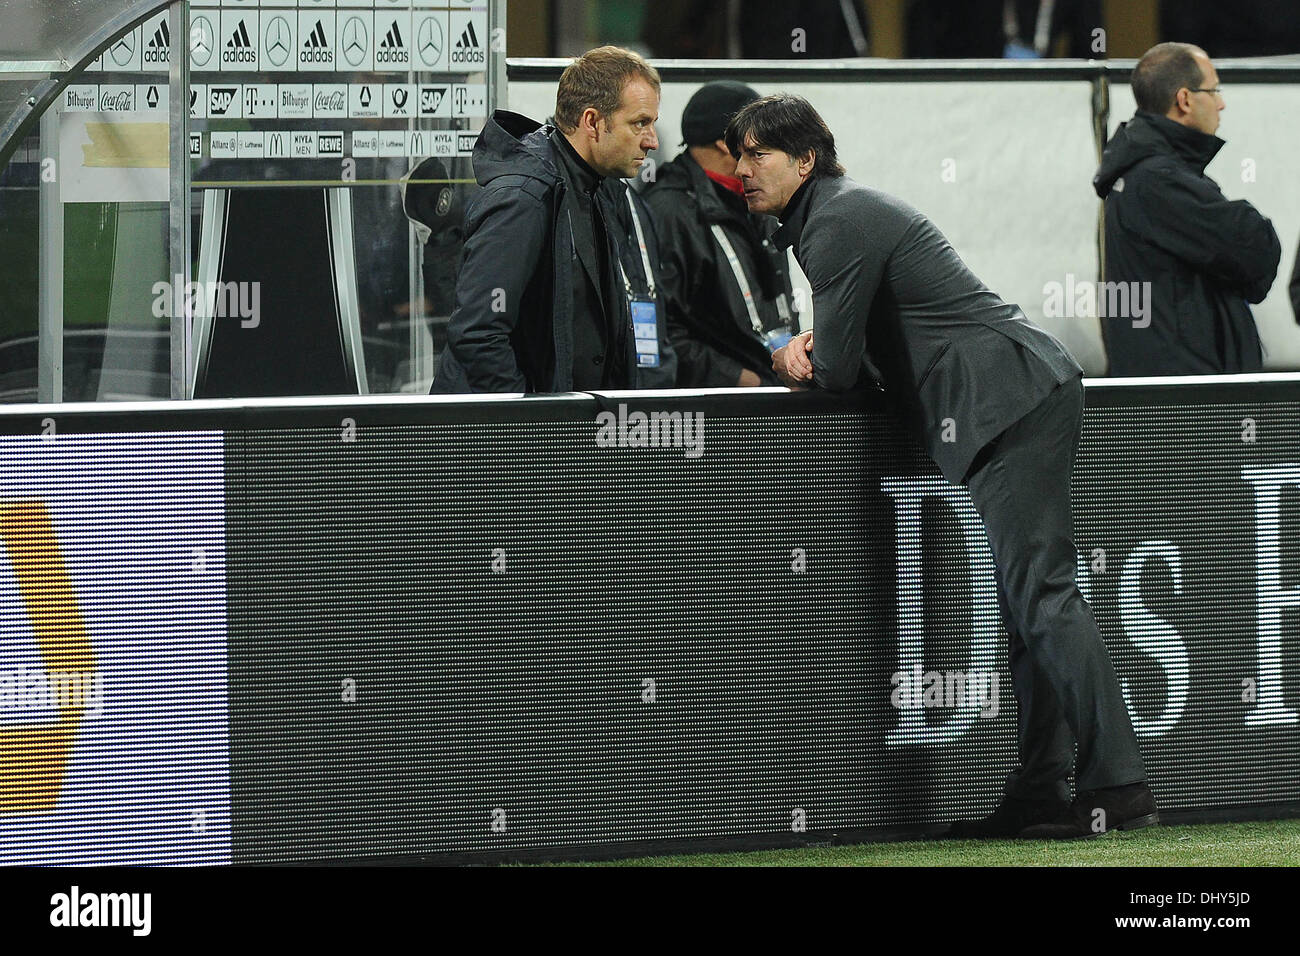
x=468 y=51
x=158 y=49
x=683 y=430
x=316 y=47
x=239 y=48
x=392 y=49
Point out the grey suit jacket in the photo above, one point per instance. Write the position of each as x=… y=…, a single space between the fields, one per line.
x=892 y=298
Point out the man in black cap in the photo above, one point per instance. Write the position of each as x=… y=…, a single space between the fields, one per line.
x=726 y=285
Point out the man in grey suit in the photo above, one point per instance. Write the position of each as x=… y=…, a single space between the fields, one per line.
x=997 y=403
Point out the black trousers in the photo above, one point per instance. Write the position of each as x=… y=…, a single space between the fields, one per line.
x=1064 y=682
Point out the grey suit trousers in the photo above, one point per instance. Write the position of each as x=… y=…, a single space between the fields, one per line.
x=1065 y=685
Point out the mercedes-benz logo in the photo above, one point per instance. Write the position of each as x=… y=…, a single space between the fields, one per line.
x=278 y=41
x=429 y=41
x=355 y=39
x=122 y=50
x=201 y=34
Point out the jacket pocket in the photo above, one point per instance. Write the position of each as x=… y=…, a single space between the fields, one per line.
x=938 y=357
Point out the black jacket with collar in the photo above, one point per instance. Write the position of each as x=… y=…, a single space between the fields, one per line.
x=1206 y=257
x=709 y=325
x=891 y=298
x=518 y=299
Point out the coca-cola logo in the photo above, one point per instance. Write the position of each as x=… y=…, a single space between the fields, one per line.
x=119 y=102
x=334 y=100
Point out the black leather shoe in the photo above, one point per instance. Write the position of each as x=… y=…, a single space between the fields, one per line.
x=1011 y=817
x=1095 y=812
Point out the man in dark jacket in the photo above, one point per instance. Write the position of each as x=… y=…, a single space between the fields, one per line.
x=998 y=404
x=540 y=301
x=1196 y=257
x=728 y=292
x=1295 y=287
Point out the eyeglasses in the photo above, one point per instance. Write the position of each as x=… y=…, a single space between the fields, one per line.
x=1217 y=91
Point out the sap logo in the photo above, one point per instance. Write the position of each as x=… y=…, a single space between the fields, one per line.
x=220 y=98
x=431 y=98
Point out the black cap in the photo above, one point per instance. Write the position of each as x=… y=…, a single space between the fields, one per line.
x=711 y=108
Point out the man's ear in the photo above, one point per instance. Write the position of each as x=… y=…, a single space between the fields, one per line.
x=806 y=163
x=590 y=122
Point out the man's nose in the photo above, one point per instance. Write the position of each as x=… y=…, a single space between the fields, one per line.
x=654 y=140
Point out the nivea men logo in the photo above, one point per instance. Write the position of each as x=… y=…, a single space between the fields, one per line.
x=468 y=51
x=158 y=49
x=220 y=98
x=80 y=98
x=116 y=100
x=239 y=48
x=316 y=48
x=392 y=48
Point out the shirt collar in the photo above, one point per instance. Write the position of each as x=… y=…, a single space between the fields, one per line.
x=586 y=178
x=794 y=216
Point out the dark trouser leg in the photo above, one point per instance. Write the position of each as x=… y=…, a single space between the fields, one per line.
x=1023 y=495
x=1045 y=742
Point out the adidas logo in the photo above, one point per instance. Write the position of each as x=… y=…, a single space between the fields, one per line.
x=316 y=47
x=158 y=50
x=467 y=51
x=393 y=48
x=239 y=49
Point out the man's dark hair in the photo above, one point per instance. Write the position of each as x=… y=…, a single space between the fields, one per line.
x=1163 y=70
x=595 y=80
x=789 y=123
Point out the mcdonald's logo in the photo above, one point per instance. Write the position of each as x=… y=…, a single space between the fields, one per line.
x=34 y=757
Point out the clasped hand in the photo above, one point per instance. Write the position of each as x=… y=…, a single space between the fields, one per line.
x=793 y=361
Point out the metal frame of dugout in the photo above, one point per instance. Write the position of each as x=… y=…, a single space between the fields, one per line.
x=49 y=78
